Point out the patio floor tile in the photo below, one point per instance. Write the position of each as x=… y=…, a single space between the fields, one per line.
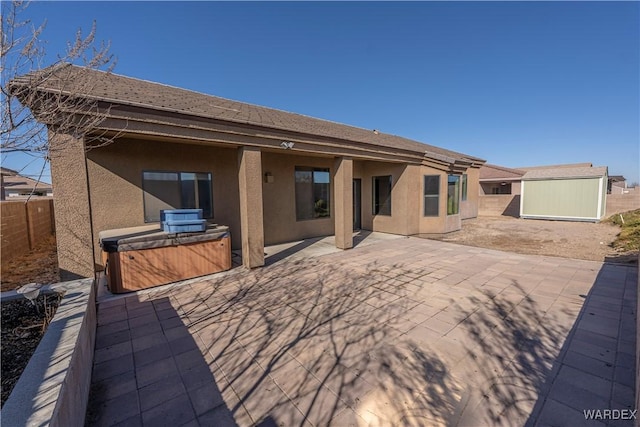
x=160 y=391
x=174 y=412
x=156 y=371
x=402 y=332
x=112 y=367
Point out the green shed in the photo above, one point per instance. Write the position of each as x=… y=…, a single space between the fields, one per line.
x=571 y=194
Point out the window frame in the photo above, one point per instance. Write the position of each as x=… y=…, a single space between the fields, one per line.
x=464 y=187
x=374 y=194
x=179 y=174
x=435 y=196
x=313 y=170
x=455 y=201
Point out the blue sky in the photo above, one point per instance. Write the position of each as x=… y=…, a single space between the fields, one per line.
x=515 y=83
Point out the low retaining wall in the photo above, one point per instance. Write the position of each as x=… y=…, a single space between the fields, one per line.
x=54 y=388
x=24 y=225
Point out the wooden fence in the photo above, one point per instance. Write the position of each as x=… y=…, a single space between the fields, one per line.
x=23 y=225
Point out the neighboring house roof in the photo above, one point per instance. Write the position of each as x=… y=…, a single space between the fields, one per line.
x=121 y=90
x=565 y=173
x=561 y=166
x=7 y=172
x=490 y=172
x=617 y=178
x=22 y=183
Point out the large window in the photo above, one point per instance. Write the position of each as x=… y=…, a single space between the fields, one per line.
x=312 y=193
x=176 y=190
x=431 y=195
x=465 y=179
x=453 y=195
x=382 y=195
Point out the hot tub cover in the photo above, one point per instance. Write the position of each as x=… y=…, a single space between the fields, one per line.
x=148 y=237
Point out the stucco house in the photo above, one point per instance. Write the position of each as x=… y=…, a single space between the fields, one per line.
x=270 y=175
x=617 y=184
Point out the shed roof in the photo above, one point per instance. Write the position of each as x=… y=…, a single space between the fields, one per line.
x=565 y=173
x=560 y=166
x=122 y=90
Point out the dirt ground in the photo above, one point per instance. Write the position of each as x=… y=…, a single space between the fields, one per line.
x=23 y=325
x=580 y=240
x=39 y=265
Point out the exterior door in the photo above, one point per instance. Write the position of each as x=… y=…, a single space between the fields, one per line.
x=357 y=206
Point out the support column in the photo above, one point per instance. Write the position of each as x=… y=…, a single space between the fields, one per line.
x=72 y=207
x=251 y=216
x=343 y=202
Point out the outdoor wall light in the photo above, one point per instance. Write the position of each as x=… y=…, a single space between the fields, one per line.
x=268 y=178
x=287 y=145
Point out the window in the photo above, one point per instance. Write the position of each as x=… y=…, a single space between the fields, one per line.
x=431 y=195
x=464 y=187
x=312 y=193
x=382 y=195
x=453 y=195
x=176 y=190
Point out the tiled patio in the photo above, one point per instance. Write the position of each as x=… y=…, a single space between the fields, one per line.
x=404 y=332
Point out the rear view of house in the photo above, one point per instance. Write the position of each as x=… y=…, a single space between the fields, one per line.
x=271 y=176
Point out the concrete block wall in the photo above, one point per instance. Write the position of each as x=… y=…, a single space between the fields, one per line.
x=499 y=204
x=24 y=225
x=14 y=234
x=39 y=218
x=617 y=203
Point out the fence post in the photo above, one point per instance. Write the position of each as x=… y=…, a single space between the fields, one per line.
x=30 y=236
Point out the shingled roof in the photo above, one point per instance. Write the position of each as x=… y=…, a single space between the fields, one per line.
x=495 y=172
x=121 y=90
x=566 y=173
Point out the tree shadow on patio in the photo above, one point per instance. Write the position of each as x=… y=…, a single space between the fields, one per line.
x=512 y=343
x=306 y=341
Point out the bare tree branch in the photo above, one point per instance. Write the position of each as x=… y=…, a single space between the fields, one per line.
x=30 y=106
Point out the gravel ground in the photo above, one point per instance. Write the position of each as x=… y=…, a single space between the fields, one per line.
x=580 y=240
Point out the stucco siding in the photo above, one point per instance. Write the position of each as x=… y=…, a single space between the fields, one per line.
x=116 y=188
x=469 y=207
x=433 y=224
x=395 y=223
x=561 y=198
x=279 y=204
x=115 y=181
x=72 y=209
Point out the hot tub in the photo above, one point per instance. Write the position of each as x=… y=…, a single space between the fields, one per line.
x=142 y=257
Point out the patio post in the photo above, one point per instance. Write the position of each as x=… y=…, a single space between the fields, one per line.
x=251 y=216
x=343 y=202
x=72 y=207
